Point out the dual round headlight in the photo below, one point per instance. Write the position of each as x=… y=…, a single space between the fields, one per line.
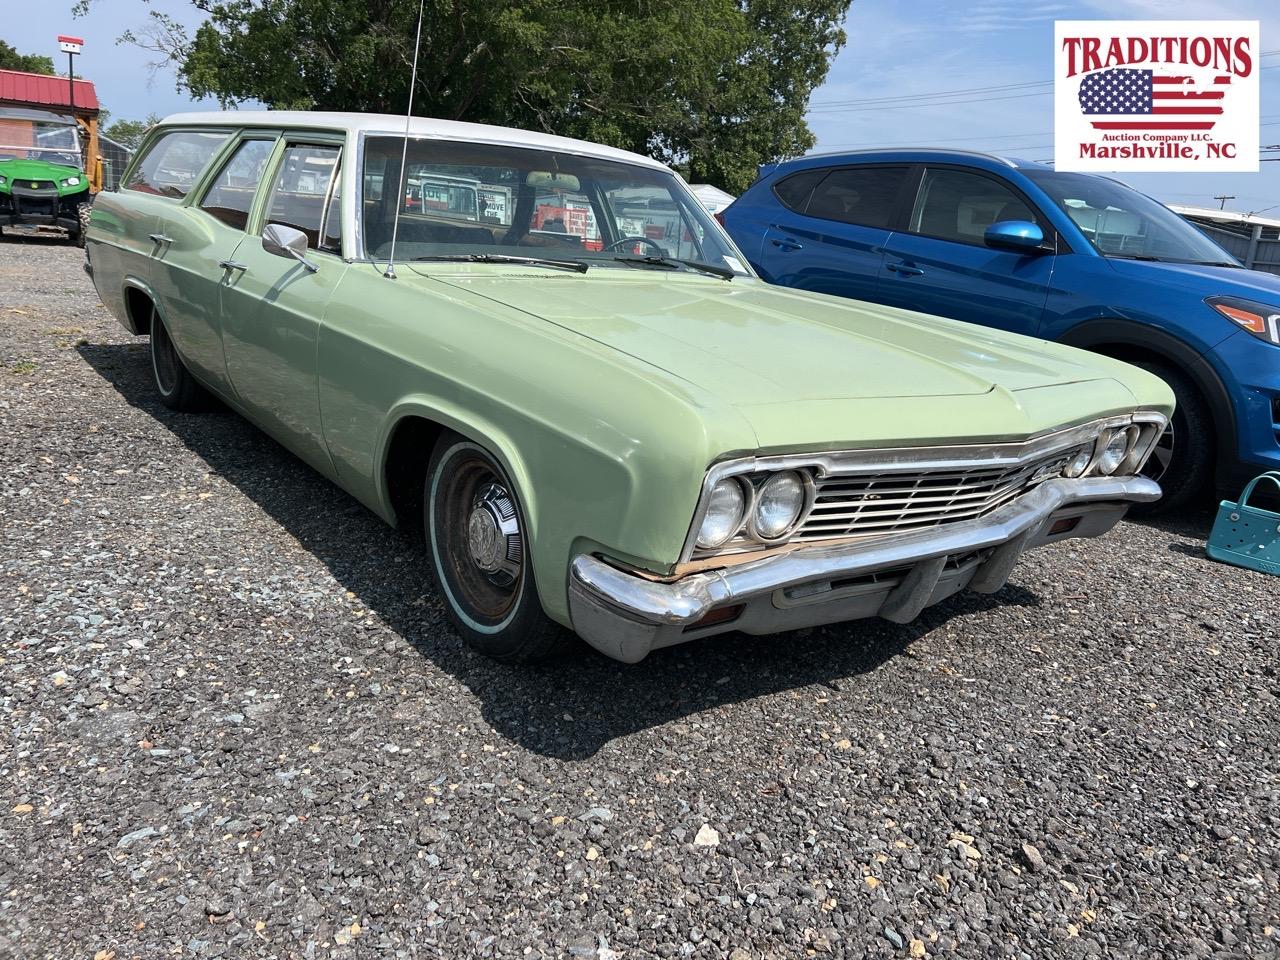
x=724 y=514
x=1117 y=450
x=769 y=511
x=1079 y=463
x=71 y=182
x=1117 y=447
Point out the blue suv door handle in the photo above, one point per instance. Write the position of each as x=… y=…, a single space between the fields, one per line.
x=903 y=270
x=786 y=243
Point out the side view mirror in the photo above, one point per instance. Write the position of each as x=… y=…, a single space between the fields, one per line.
x=1020 y=235
x=289 y=242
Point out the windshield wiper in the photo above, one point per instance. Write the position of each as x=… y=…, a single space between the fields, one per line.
x=575 y=265
x=673 y=262
x=1190 y=263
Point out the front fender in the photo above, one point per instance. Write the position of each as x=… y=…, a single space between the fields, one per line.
x=603 y=450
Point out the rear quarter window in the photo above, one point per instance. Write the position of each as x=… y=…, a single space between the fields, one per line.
x=794 y=191
x=174 y=161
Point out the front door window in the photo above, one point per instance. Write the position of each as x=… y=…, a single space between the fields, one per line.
x=301 y=193
x=955 y=205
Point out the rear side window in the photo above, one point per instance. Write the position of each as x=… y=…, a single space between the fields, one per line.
x=230 y=196
x=794 y=191
x=866 y=196
x=956 y=205
x=174 y=161
x=301 y=193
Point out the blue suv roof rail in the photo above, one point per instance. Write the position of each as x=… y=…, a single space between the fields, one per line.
x=942 y=150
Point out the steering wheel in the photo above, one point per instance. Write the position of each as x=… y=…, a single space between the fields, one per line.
x=657 y=247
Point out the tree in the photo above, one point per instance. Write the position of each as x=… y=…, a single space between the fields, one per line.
x=11 y=59
x=716 y=87
x=129 y=133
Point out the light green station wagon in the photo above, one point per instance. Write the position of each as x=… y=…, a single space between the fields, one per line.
x=571 y=381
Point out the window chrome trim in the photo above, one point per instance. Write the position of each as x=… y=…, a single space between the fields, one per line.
x=889 y=460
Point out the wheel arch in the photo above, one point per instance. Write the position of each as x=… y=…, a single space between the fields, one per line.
x=412 y=429
x=1130 y=341
x=139 y=303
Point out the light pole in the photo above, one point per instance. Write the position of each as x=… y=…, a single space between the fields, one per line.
x=1224 y=197
x=71 y=46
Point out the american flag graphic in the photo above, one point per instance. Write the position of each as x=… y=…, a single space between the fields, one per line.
x=1146 y=100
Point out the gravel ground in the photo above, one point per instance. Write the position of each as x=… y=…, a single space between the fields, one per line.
x=240 y=726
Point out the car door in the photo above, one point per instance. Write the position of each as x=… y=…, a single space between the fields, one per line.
x=185 y=246
x=210 y=230
x=831 y=229
x=941 y=265
x=272 y=306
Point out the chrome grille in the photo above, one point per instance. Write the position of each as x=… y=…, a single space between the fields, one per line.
x=880 y=503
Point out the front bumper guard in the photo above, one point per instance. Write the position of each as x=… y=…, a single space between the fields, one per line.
x=625 y=615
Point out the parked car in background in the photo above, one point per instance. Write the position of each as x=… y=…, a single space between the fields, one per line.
x=1070 y=257
x=596 y=428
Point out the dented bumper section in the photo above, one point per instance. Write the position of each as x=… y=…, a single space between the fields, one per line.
x=625 y=615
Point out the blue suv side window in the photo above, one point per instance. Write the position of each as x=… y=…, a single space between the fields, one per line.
x=865 y=196
x=794 y=191
x=955 y=205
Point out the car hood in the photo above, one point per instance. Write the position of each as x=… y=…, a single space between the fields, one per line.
x=807 y=372
x=15 y=169
x=1201 y=280
x=750 y=343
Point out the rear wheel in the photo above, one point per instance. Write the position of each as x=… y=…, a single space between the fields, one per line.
x=480 y=556
x=177 y=388
x=1182 y=462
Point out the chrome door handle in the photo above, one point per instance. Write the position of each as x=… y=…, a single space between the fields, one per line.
x=904 y=271
x=232 y=265
x=160 y=238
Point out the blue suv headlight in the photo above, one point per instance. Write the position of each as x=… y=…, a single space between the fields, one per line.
x=1259 y=319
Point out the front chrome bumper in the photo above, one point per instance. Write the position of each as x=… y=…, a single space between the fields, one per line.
x=625 y=615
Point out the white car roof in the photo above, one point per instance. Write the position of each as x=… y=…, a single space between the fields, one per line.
x=386 y=123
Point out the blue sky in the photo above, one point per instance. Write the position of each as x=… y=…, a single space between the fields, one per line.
x=896 y=48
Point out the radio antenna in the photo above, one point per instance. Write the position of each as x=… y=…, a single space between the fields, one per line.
x=390 y=272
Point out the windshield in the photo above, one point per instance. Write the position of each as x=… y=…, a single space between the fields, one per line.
x=1120 y=222
x=36 y=135
x=467 y=199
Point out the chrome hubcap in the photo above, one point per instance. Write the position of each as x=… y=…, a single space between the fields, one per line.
x=493 y=535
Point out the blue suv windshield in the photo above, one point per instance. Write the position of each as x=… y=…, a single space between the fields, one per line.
x=1122 y=223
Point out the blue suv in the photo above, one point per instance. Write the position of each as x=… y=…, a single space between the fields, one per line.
x=1080 y=259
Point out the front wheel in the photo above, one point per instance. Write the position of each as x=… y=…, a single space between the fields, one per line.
x=475 y=530
x=1182 y=461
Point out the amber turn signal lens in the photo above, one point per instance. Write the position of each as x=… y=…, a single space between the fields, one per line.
x=1250 y=321
x=1260 y=319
